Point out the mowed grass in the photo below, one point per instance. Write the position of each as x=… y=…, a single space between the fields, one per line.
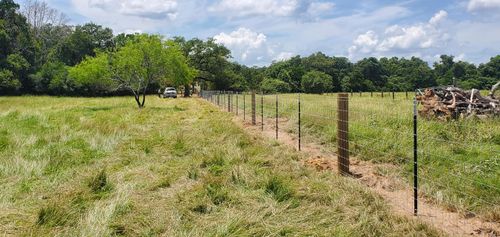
x=102 y=167
x=459 y=161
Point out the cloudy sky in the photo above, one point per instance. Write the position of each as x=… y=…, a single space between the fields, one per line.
x=261 y=31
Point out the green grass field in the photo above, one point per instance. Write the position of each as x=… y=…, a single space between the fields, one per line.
x=459 y=161
x=101 y=167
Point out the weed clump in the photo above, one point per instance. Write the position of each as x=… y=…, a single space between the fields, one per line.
x=193 y=173
x=215 y=164
x=201 y=208
x=217 y=193
x=279 y=189
x=51 y=216
x=100 y=183
x=163 y=183
x=4 y=141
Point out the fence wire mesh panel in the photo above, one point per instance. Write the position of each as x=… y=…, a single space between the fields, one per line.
x=458 y=161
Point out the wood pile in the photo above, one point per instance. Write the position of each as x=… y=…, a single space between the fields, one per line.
x=447 y=103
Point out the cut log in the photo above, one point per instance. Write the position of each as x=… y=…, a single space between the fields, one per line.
x=447 y=103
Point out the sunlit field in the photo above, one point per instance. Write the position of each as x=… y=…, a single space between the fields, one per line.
x=102 y=167
x=459 y=161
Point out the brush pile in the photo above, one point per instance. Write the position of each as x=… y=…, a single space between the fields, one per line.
x=447 y=103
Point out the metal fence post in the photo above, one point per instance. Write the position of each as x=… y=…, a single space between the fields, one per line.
x=218 y=98
x=244 y=107
x=382 y=94
x=343 y=134
x=262 y=110
x=393 y=95
x=277 y=116
x=229 y=101
x=300 y=132
x=415 y=158
x=254 y=119
x=237 y=103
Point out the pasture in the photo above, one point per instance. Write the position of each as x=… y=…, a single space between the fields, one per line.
x=102 y=167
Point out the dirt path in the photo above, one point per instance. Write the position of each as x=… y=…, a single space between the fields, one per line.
x=396 y=192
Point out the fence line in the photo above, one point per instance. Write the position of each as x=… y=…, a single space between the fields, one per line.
x=433 y=158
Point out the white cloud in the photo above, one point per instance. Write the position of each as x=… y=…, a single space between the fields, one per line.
x=244 y=43
x=319 y=8
x=440 y=16
x=256 y=7
x=154 y=9
x=364 y=43
x=283 y=56
x=475 y=5
x=460 y=57
x=398 y=39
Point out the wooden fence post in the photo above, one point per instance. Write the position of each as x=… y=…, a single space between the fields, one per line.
x=343 y=134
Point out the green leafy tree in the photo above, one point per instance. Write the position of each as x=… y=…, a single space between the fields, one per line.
x=490 y=72
x=289 y=71
x=407 y=74
x=7 y=82
x=16 y=48
x=52 y=78
x=317 y=82
x=444 y=70
x=211 y=61
x=148 y=60
x=84 y=41
x=92 y=76
x=179 y=72
x=271 y=85
x=337 y=68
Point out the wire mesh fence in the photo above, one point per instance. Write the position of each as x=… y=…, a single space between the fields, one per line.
x=458 y=161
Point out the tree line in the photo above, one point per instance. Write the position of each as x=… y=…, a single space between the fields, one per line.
x=41 y=54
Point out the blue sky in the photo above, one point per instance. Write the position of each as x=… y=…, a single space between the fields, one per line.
x=261 y=31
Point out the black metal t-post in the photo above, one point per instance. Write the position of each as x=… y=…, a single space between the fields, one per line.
x=262 y=110
x=299 y=115
x=415 y=159
x=277 y=110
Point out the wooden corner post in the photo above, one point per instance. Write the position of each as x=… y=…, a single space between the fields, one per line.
x=343 y=133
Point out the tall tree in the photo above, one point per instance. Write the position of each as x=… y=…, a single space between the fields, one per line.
x=84 y=41
x=145 y=61
x=211 y=60
x=40 y=14
x=316 y=82
x=444 y=70
x=16 y=49
x=368 y=75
